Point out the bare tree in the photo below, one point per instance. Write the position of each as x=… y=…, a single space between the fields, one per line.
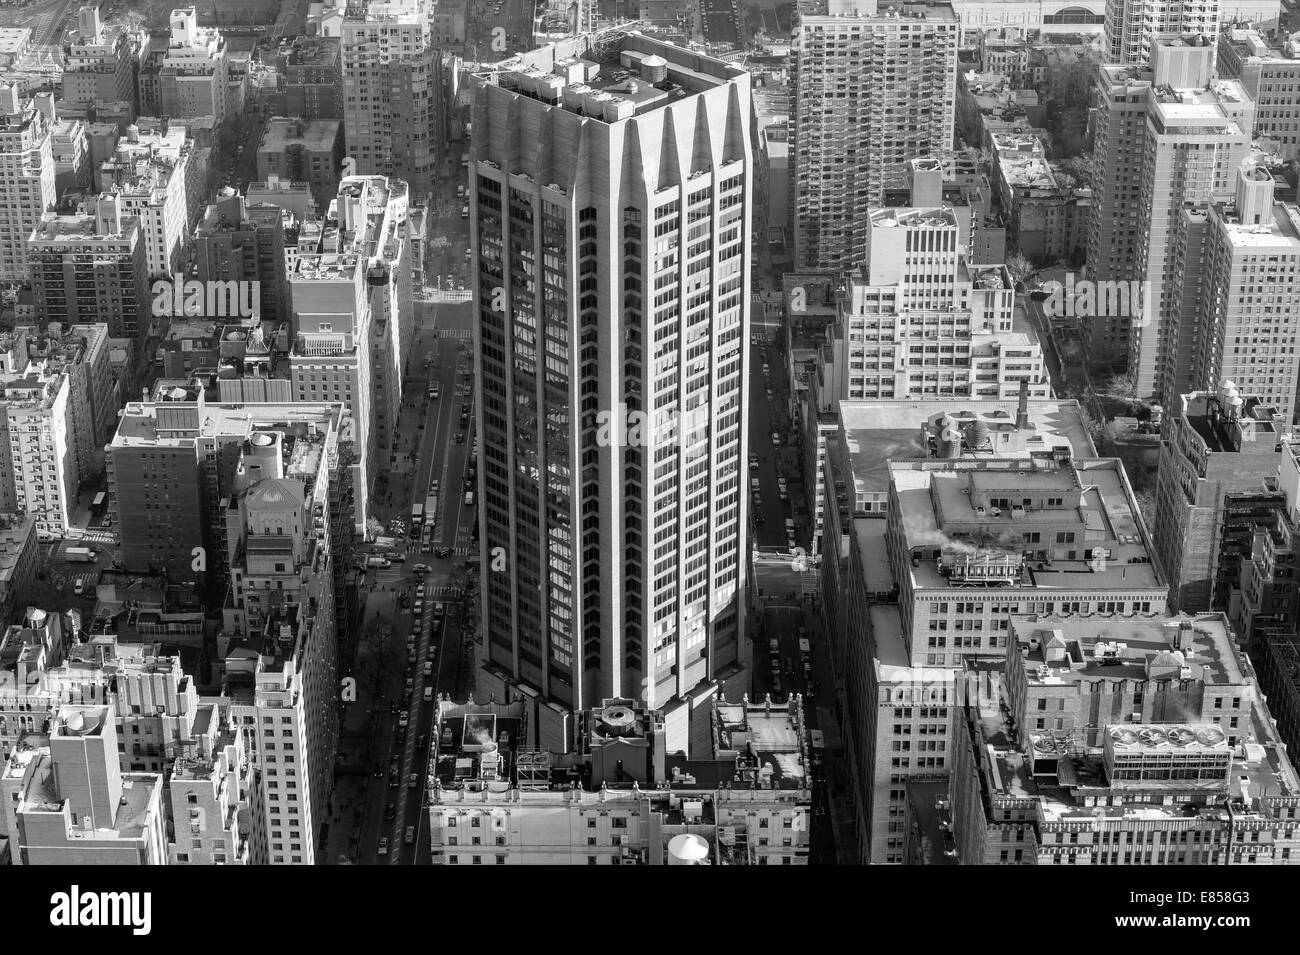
x=1021 y=269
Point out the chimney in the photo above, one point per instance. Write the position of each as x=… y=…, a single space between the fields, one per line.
x=1022 y=411
x=1254 y=195
x=1183 y=639
x=108 y=215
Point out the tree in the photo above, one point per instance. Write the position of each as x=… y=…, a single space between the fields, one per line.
x=373 y=528
x=1021 y=269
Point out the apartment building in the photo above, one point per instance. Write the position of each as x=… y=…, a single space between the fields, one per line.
x=26 y=178
x=194 y=73
x=100 y=63
x=742 y=798
x=151 y=177
x=240 y=241
x=1270 y=73
x=1240 y=287
x=920 y=321
x=1168 y=136
x=1131 y=25
x=311 y=76
x=352 y=316
x=872 y=91
x=207 y=788
x=38 y=445
x=92 y=267
x=81 y=353
x=624 y=231
x=392 y=91
x=300 y=150
x=1217 y=443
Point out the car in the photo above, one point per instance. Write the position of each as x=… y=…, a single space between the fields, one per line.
x=410 y=835
x=428 y=694
x=433 y=650
x=753 y=462
x=464 y=212
x=419 y=592
x=410 y=657
x=438 y=610
x=390 y=811
x=418 y=609
x=413 y=781
x=469 y=498
x=420 y=569
x=394 y=708
x=768 y=394
x=435 y=390
x=464 y=408
x=753 y=482
x=444 y=552
x=420 y=741
x=765 y=368
x=774 y=644
x=80 y=588
x=460 y=437
x=393 y=781
x=378 y=771
x=378 y=562
x=396 y=558
x=759 y=518
x=403 y=718
x=383 y=846
x=434 y=486
x=776 y=437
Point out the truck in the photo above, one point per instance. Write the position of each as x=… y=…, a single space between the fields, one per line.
x=417 y=517
x=804 y=647
x=79 y=555
x=431 y=510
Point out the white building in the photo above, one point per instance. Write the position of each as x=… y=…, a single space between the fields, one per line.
x=194 y=74
x=353 y=316
x=1131 y=25
x=26 y=178
x=1270 y=73
x=1240 y=291
x=873 y=90
x=39 y=472
x=149 y=175
x=920 y=321
x=611 y=208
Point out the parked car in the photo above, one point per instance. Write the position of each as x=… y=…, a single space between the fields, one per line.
x=383 y=846
x=390 y=811
x=413 y=781
x=378 y=562
x=410 y=835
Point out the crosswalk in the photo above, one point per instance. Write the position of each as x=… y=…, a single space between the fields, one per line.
x=462 y=333
x=99 y=537
x=444 y=591
x=466 y=550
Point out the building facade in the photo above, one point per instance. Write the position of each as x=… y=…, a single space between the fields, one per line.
x=610 y=273
x=872 y=91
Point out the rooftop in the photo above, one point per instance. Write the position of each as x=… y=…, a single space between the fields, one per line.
x=960 y=528
x=1066 y=650
x=79 y=228
x=281 y=132
x=610 y=76
x=874 y=432
x=139 y=422
x=1281 y=231
x=477 y=750
x=1231 y=424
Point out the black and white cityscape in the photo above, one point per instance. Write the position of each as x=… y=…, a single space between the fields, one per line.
x=650 y=432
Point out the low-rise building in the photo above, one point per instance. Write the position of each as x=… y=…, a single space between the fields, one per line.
x=741 y=797
x=303 y=150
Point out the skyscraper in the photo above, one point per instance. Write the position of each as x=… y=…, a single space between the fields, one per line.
x=873 y=90
x=610 y=195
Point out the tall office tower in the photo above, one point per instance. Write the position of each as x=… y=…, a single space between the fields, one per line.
x=919 y=321
x=280 y=605
x=172 y=471
x=92 y=267
x=150 y=176
x=236 y=243
x=872 y=91
x=1270 y=72
x=194 y=73
x=1217 y=443
x=27 y=172
x=38 y=475
x=611 y=205
x=1131 y=25
x=67 y=801
x=1241 y=293
x=392 y=105
x=100 y=63
x=352 y=317
x=208 y=792
x=1168 y=136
